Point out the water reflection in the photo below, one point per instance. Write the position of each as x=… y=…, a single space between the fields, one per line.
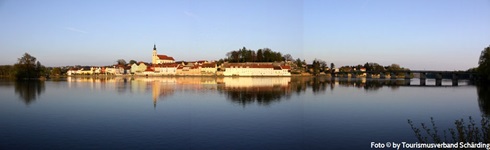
x=241 y=90
x=483 y=92
x=29 y=91
x=248 y=90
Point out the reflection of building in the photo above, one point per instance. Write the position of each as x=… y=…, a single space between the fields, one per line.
x=245 y=90
x=160 y=89
x=256 y=82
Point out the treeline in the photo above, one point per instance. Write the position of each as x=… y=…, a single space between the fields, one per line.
x=27 y=67
x=375 y=68
x=261 y=55
x=483 y=69
x=7 y=71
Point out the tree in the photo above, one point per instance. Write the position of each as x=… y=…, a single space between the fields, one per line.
x=484 y=64
x=132 y=62
x=27 y=68
x=56 y=71
x=267 y=55
x=288 y=57
x=316 y=67
x=121 y=62
x=299 y=63
x=7 y=71
x=260 y=55
x=323 y=64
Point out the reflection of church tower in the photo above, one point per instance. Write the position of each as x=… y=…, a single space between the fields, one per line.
x=155 y=92
x=154 y=56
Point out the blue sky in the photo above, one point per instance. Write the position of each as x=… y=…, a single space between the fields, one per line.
x=419 y=34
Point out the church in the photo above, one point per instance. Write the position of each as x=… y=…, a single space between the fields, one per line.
x=160 y=59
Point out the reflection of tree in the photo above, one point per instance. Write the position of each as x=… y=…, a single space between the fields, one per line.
x=373 y=85
x=260 y=95
x=483 y=92
x=29 y=90
x=318 y=85
x=298 y=85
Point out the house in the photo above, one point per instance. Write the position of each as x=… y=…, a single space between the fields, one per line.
x=73 y=71
x=189 y=69
x=122 y=69
x=209 y=68
x=139 y=67
x=165 y=69
x=86 y=71
x=110 y=70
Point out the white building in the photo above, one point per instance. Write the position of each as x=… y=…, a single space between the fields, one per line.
x=256 y=69
x=165 y=69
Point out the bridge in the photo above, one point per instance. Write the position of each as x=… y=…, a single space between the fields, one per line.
x=409 y=74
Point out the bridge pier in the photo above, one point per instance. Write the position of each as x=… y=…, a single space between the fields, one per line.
x=422 y=77
x=422 y=82
x=455 y=79
x=438 y=79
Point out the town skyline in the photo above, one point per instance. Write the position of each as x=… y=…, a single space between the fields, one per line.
x=437 y=35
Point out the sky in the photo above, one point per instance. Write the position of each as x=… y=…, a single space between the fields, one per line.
x=417 y=34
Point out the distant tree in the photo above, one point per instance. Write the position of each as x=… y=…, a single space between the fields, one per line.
x=132 y=62
x=121 y=62
x=299 y=63
x=7 y=71
x=278 y=57
x=484 y=64
x=267 y=55
x=260 y=55
x=394 y=67
x=27 y=67
x=56 y=71
x=233 y=56
x=374 y=67
x=220 y=61
x=323 y=65
x=332 y=65
x=316 y=67
x=288 y=57
x=368 y=67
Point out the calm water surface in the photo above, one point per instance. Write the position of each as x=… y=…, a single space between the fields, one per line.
x=226 y=113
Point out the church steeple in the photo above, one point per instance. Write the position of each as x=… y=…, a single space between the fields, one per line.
x=154 y=55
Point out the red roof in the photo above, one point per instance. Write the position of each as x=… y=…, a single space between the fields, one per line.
x=209 y=65
x=240 y=65
x=165 y=57
x=166 y=65
x=286 y=67
x=149 y=69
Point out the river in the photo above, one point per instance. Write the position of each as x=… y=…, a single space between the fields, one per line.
x=226 y=113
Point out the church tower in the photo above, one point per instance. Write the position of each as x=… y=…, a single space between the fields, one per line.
x=154 y=56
